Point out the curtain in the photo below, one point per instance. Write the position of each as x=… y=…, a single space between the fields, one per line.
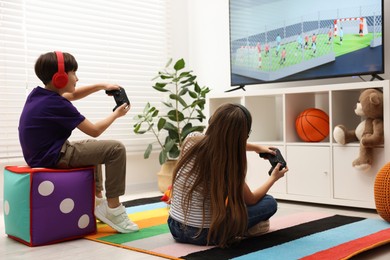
x=125 y=42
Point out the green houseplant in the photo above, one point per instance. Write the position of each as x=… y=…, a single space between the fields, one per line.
x=183 y=109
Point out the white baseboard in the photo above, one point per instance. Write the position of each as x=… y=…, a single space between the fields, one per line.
x=142 y=187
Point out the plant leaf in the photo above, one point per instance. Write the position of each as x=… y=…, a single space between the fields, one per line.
x=161 y=123
x=169 y=126
x=180 y=64
x=188 y=84
x=160 y=89
x=168 y=63
x=187 y=131
x=183 y=91
x=174 y=135
x=197 y=88
x=174 y=96
x=160 y=84
x=174 y=152
x=147 y=107
x=172 y=116
x=148 y=151
x=166 y=76
x=204 y=91
x=167 y=104
x=185 y=74
x=193 y=94
x=201 y=115
x=137 y=127
x=155 y=113
x=190 y=79
x=162 y=157
x=182 y=102
x=169 y=143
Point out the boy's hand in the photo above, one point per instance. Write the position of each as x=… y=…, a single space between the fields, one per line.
x=111 y=87
x=122 y=110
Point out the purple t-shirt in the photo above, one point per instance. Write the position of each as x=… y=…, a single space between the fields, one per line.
x=46 y=122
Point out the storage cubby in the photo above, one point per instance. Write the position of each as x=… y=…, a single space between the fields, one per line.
x=221 y=100
x=267 y=114
x=344 y=105
x=297 y=103
x=359 y=180
x=320 y=172
x=258 y=169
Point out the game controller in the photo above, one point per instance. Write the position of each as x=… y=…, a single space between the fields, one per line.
x=119 y=96
x=274 y=159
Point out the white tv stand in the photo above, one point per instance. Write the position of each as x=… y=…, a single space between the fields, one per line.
x=319 y=172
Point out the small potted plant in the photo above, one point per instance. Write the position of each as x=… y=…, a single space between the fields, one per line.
x=183 y=109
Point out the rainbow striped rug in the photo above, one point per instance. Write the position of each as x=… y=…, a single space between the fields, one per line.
x=308 y=235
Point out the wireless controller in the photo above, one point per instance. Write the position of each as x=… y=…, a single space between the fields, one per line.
x=274 y=159
x=119 y=96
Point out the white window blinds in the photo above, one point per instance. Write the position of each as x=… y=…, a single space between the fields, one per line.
x=117 y=41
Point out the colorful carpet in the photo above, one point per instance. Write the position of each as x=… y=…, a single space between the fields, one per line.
x=308 y=235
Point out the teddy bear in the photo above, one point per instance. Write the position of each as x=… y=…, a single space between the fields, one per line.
x=369 y=132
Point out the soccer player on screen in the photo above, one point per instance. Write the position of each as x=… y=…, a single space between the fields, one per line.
x=258 y=46
x=313 y=40
x=306 y=41
x=330 y=33
x=299 y=42
x=266 y=49
x=341 y=34
x=283 y=56
x=314 y=48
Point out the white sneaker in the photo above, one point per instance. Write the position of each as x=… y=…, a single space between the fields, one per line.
x=116 y=218
x=258 y=229
x=98 y=201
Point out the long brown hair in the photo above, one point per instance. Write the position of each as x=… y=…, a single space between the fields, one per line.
x=220 y=169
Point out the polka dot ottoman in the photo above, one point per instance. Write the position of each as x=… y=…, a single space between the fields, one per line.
x=45 y=206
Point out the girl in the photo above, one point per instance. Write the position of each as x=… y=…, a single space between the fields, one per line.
x=211 y=203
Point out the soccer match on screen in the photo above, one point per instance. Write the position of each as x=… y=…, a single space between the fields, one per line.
x=272 y=40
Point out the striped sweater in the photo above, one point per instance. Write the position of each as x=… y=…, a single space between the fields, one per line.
x=195 y=211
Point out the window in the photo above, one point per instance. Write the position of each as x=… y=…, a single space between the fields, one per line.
x=118 y=41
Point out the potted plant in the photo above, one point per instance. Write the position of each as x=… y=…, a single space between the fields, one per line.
x=183 y=109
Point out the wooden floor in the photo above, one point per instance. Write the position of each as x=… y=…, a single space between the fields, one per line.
x=85 y=249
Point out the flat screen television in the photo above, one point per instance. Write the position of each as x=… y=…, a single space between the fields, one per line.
x=289 y=40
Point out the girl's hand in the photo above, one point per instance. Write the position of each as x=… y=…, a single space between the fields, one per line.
x=266 y=149
x=277 y=174
x=259 y=148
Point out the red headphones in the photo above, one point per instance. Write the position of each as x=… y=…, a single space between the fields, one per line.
x=60 y=78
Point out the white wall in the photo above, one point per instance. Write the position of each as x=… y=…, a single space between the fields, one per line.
x=208 y=46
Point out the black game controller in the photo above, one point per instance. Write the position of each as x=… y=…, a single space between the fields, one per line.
x=274 y=159
x=119 y=96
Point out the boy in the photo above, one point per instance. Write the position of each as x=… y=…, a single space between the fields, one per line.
x=48 y=119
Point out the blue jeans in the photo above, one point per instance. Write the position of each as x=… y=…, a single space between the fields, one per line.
x=261 y=211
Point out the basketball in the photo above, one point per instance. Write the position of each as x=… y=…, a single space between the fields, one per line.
x=312 y=125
